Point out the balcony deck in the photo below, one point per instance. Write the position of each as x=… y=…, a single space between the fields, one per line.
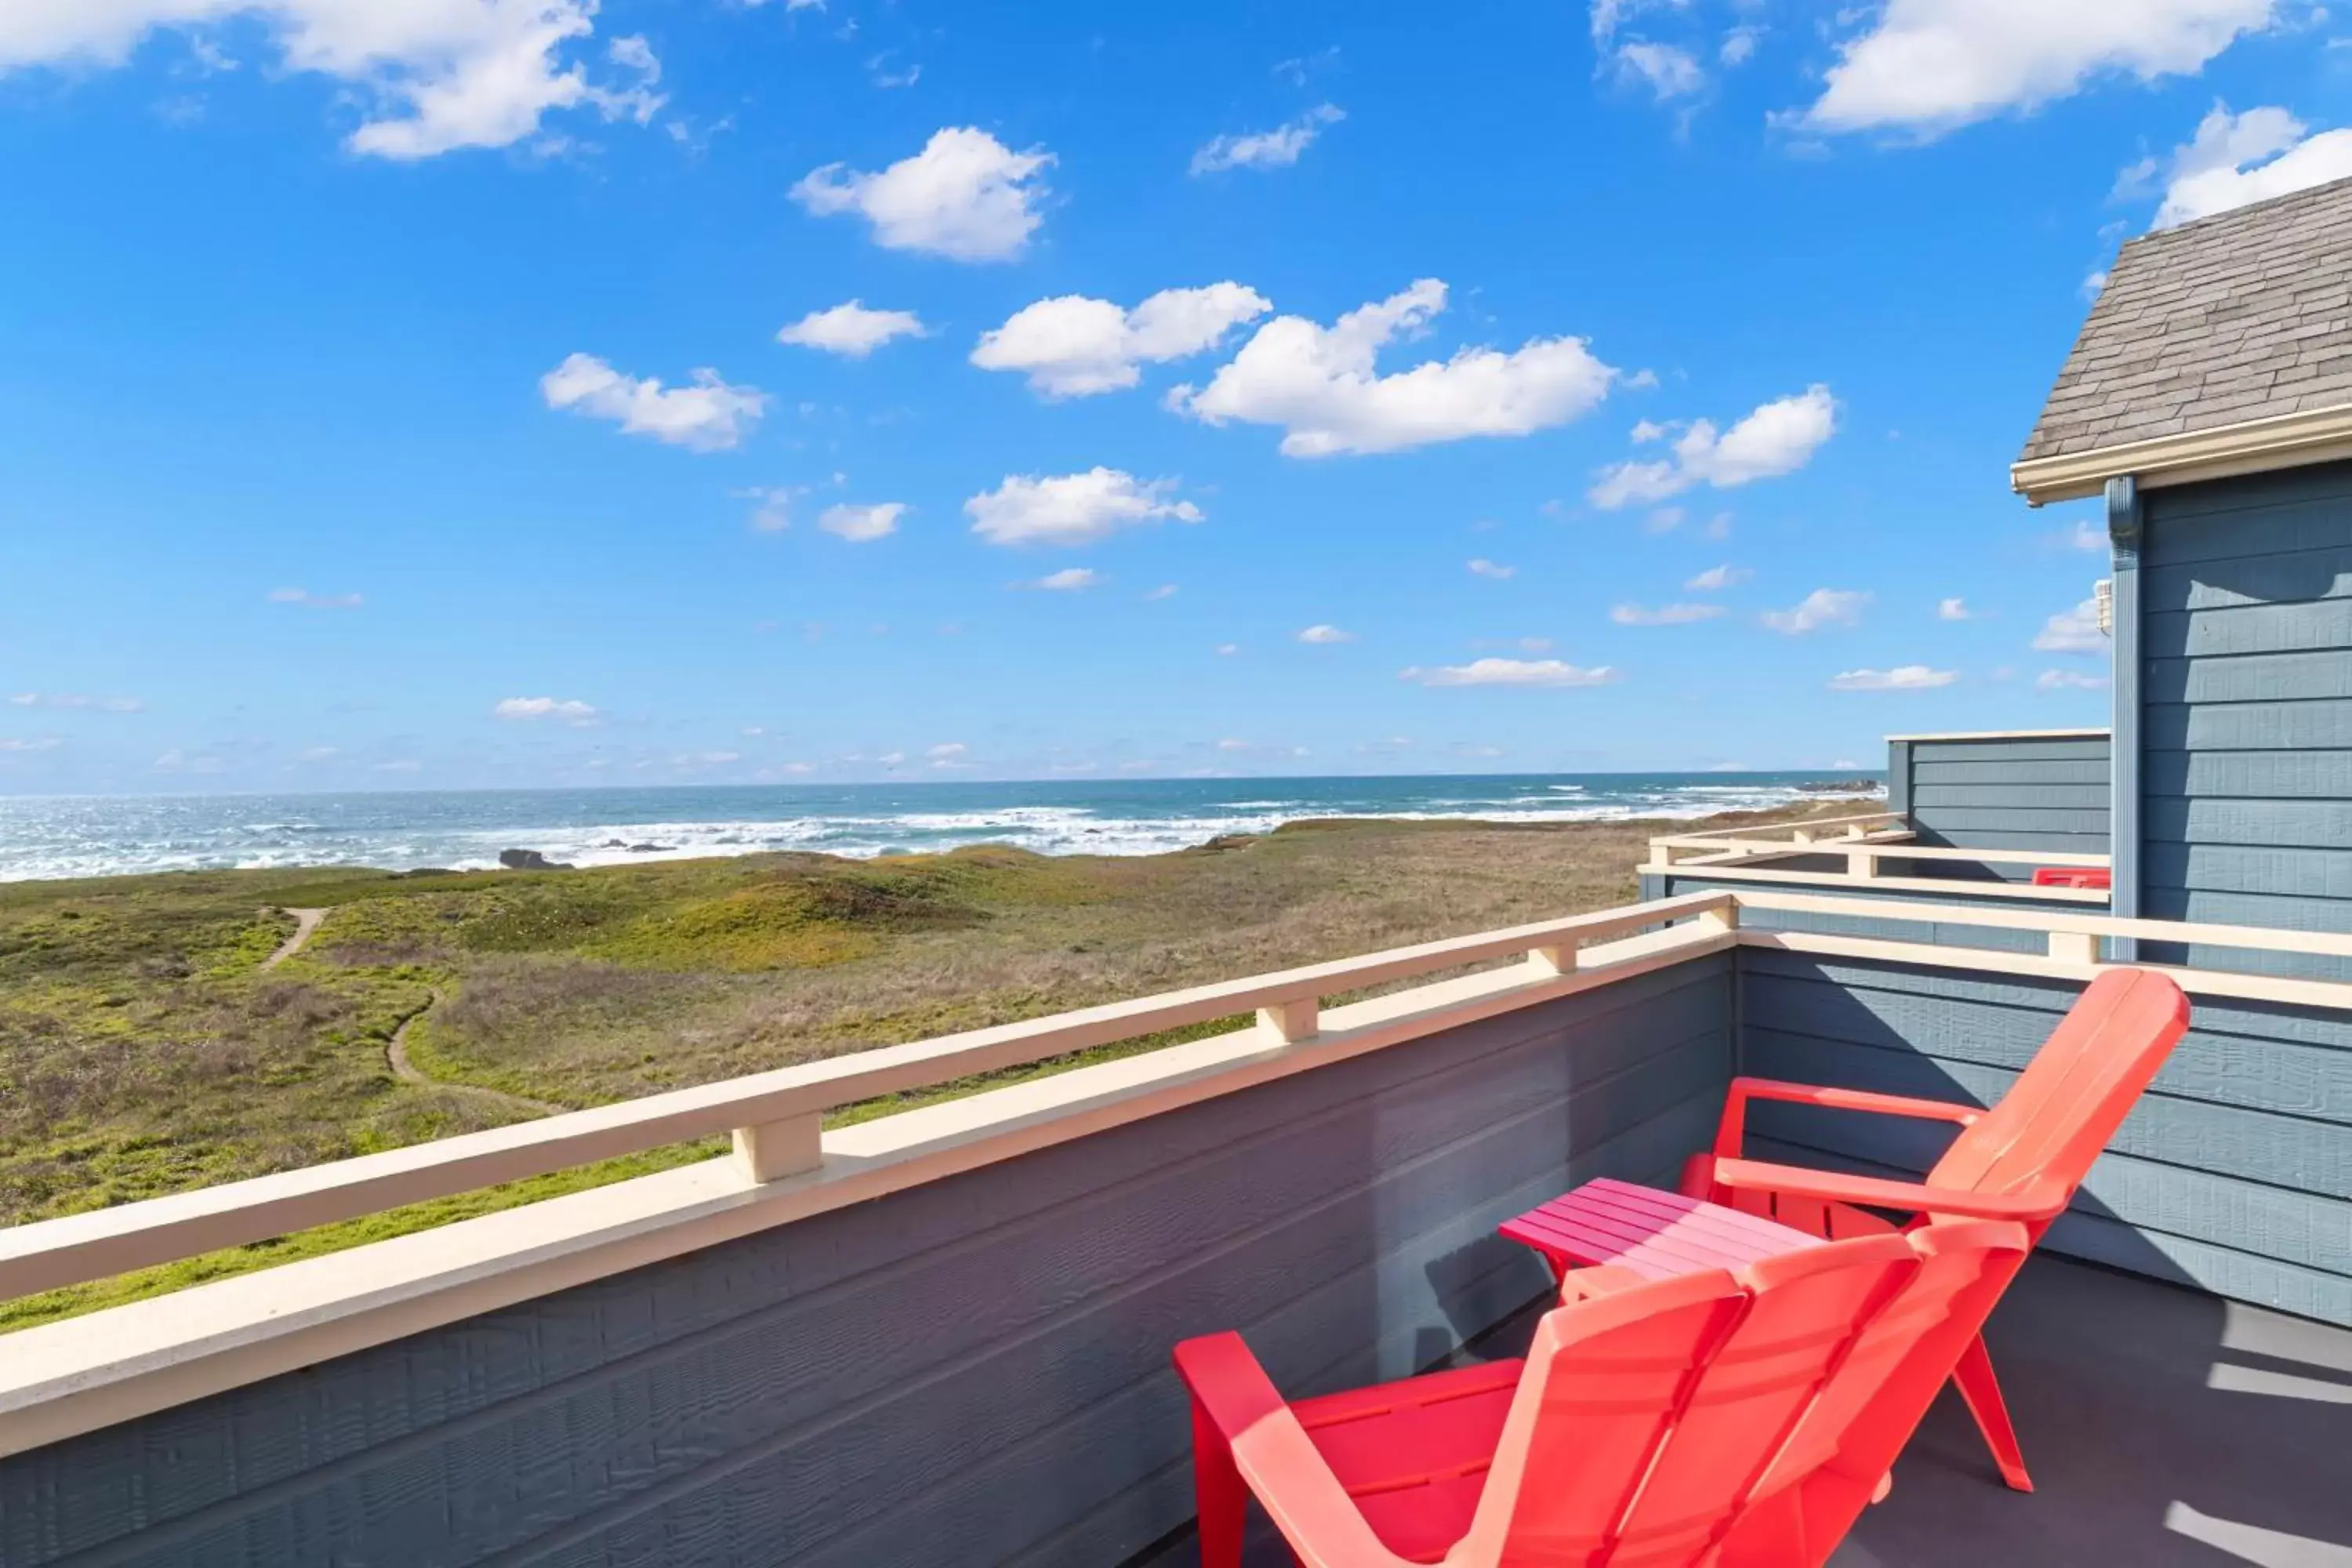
x=941 y=1337
x=2165 y=1429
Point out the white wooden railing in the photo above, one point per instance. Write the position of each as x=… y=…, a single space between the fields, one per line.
x=1760 y=853
x=82 y=1374
x=775 y=1117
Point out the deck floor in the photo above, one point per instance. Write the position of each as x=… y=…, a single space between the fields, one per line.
x=2163 y=1427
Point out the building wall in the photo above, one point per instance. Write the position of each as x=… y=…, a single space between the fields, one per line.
x=2246 y=693
x=1657 y=885
x=2234 y=1172
x=2004 y=791
x=972 y=1371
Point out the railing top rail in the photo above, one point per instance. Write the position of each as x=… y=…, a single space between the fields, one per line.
x=50 y=1253
x=1750 y=851
x=1808 y=824
x=2327 y=944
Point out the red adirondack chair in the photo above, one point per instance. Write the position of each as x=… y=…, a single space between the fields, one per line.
x=2047 y=1129
x=1709 y=1417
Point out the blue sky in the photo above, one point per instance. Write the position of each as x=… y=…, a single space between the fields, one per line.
x=455 y=393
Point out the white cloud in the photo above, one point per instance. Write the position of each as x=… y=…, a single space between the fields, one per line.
x=1608 y=15
x=2234 y=159
x=1953 y=610
x=1276 y=149
x=1073 y=346
x=1326 y=633
x=531 y=708
x=1227 y=649
x=74 y=699
x=773 y=510
x=1550 y=672
x=1668 y=71
x=1777 y=438
x=948 y=751
x=1069 y=580
x=851 y=330
x=2093 y=282
x=1822 y=607
x=2073 y=631
x=1902 y=678
x=1664 y=616
x=1321 y=384
x=2083 y=534
x=1739 y=44
x=1231 y=743
x=965 y=196
x=1072 y=508
x=28 y=743
x=1165 y=591
x=1479 y=566
x=1929 y=66
x=314 y=601
x=1714 y=579
x=430 y=76
x=863 y=524
x=2068 y=681
x=708 y=417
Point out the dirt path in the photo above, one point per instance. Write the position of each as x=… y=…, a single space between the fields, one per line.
x=306 y=923
x=395 y=1055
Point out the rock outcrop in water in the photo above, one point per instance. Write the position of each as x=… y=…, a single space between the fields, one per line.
x=530 y=860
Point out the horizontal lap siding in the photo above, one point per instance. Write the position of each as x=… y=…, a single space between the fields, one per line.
x=2233 y=1173
x=971 y=1372
x=2034 y=793
x=2247 y=780
x=1955 y=935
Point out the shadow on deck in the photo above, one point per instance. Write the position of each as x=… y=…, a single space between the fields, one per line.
x=2164 y=1427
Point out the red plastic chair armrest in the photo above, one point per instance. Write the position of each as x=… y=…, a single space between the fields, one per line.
x=1732 y=1132
x=1277 y=1457
x=2044 y=1200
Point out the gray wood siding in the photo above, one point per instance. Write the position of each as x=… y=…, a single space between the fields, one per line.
x=2043 y=792
x=2247 y=681
x=1656 y=886
x=2233 y=1174
x=972 y=1371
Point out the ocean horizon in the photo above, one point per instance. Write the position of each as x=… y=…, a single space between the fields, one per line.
x=398 y=830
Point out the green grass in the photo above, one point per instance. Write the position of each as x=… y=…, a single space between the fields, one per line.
x=143 y=1050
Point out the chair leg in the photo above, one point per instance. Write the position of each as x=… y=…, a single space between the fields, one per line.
x=1697 y=1179
x=1981 y=1390
x=1219 y=1494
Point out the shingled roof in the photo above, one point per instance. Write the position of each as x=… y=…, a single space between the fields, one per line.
x=2242 y=316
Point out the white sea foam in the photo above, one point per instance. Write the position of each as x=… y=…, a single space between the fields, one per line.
x=49 y=838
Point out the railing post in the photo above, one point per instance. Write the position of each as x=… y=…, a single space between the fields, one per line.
x=1722 y=918
x=1550 y=962
x=773 y=1150
x=1861 y=864
x=1293 y=1021
x=2074 y=946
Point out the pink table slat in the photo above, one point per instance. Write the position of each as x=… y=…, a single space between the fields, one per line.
x=1656 y=1234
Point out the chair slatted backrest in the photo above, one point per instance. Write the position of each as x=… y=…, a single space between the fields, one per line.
x=1808 y=1309
x=2061 y=1112
x=1605 y=1383
x=1642 y=1421
x=1828 y=1471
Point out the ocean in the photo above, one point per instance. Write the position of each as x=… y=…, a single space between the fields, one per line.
x=464 y=829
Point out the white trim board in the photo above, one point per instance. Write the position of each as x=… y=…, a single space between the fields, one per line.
x=2100 y=732
x=2249 y=447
